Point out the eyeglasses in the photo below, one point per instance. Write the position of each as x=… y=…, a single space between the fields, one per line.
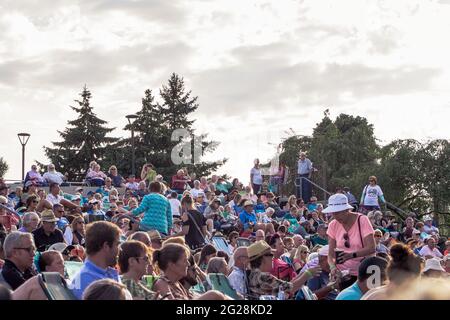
x=347 y=242
x=35 y=201
x=305 y=252
x=377 y=236
x=30 y=250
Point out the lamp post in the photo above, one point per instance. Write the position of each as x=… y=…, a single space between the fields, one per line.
x=131 y=118
x=23 y=138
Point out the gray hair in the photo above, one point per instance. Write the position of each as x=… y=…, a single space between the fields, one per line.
x=27 y=217
x=215 y=264
x=15 y=240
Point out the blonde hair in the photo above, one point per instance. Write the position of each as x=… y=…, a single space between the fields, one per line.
x=296 y=254
x=179 y=240
x=423 y=289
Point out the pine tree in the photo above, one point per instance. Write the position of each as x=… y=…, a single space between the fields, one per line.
x=3 y=167
x=83 y=140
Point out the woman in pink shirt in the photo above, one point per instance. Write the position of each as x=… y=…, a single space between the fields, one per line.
x=350 y=233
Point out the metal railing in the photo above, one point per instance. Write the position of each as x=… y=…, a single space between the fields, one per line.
x=298 y=184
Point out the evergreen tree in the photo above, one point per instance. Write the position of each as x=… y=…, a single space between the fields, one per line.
x=85 y=139
x=3 y=167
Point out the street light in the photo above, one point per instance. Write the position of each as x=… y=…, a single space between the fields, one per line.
x=130 y=119
x=23 y=138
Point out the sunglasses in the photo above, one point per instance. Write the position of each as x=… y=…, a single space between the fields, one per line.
x=347 y=242
x=377 y=236
x=304 y=252
x=268 y=255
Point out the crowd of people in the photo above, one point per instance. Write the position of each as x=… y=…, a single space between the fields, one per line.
x=148 y=239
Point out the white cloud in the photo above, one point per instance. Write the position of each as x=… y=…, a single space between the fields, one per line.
x=257 y=66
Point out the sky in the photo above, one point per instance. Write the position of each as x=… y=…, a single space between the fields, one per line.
x=258 y=68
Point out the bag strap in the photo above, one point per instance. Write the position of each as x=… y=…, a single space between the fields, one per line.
x=196 y=225
x=359 y=230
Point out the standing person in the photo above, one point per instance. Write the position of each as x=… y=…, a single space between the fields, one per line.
x=194 y=224
x=102 y=249
x=351 y=198
x=349 y=233
x=256 y=178
x=370 y=195
x=156 y=209
x=304 y=170
x=19 y=252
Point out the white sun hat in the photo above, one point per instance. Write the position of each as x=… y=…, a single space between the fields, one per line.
x=336 y=203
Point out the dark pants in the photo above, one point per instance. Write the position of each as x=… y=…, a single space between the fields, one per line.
x=305 y=192
x=256 y=188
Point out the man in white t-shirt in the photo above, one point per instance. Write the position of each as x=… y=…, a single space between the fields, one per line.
x=256 y=178
x=175 y=205
x=196 y=190
x=54 y=197
x=429 y=250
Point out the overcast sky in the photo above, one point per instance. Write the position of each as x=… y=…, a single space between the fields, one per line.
x=258 y=67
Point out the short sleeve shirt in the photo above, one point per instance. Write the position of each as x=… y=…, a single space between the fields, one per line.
x=371 y=195
x=336 y=231
x=257 y=177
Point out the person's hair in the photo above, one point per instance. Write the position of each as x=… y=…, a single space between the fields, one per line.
x=296 y=254
x=46 y=259
x=288 y=239
x=206 y=251
x=365 y=268
x=130 y=249
x=155 y=187
x=223 y=254
x=282 y=229
x=174 y=195
x=14 y=240
x=27 y=217
x=292 y=198
x=30 y=199
x=75 y=221
x=233 y=234
x=98 y=233
x=179 y=240
x=419 y=225
x=404 y=265
x=138 y=235
x=373 y=178
x=52 y=185
x=187 y=199
x=215 y=264
x=273 y=239
x=171 y=252
x=105 y=289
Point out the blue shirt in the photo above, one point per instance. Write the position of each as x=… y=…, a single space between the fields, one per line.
x=351 y=293
x=319 y=282
x=88 y=274
x=157 y=212
x=304 y=166
x=246 y=218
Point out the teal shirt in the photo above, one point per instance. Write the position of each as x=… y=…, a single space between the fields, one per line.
x=157 y=212
x=351 y=293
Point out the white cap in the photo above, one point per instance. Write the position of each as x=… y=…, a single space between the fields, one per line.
x=433 y=264
x=323 y=251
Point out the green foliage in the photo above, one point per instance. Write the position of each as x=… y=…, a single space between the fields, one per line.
x=414 y=176
x=3 y=167
x=85 y=139
x=153 y=131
